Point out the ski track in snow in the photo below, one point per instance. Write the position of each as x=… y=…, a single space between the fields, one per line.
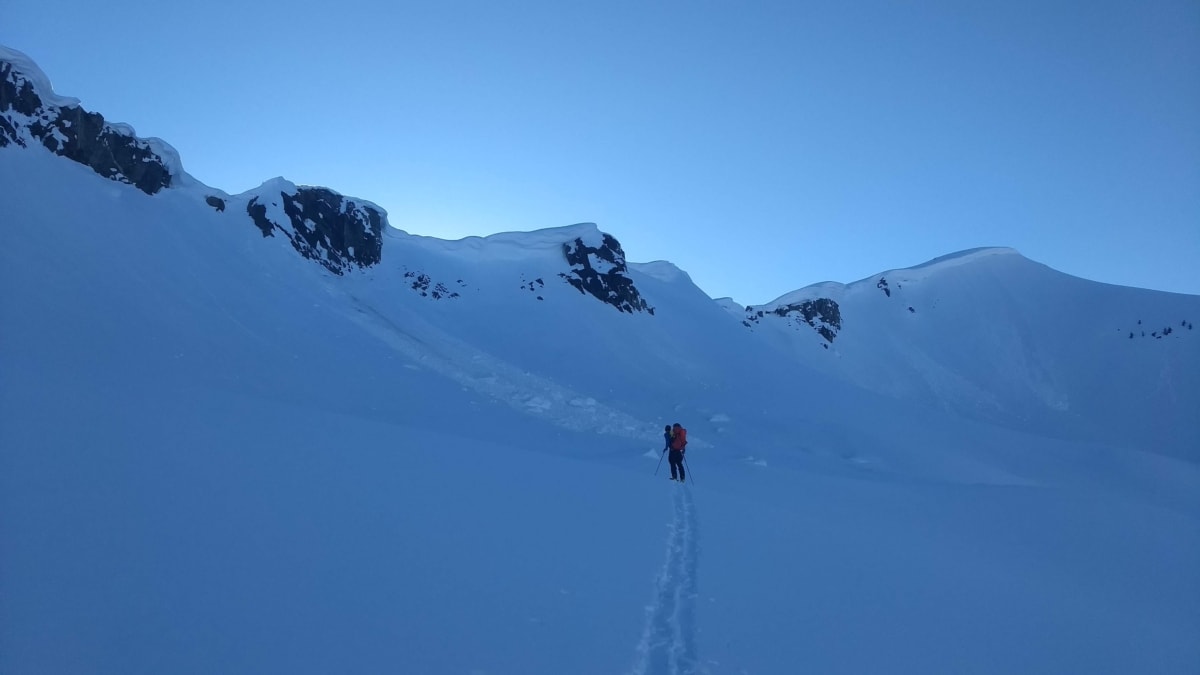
x=668 y=644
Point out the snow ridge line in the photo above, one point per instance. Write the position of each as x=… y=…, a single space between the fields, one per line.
x=668 y=644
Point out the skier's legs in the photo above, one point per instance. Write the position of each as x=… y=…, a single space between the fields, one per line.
x=676 y=460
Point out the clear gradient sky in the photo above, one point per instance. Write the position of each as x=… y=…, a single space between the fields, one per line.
x=759 y=146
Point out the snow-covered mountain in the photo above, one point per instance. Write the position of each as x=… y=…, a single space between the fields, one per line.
x=270 y=432
x=995 y=336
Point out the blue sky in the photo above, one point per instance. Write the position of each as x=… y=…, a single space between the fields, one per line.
x=761 y=149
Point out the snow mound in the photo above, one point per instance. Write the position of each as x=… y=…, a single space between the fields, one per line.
x=661 y=270
x=512 y=245
x=837 y=291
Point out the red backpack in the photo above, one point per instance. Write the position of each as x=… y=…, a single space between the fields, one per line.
x=679 y=439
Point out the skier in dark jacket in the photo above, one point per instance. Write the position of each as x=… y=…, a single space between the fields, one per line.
x=678 y=445
x=666 y=438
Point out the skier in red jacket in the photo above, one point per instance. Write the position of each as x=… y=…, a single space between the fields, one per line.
x=678 y=447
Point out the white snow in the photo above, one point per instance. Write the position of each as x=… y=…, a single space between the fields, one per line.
x=40 y=81
x=507 y=246
x=838 y=291
x=217 y=457
x=661 y=270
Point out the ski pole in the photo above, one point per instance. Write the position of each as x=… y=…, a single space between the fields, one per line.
x=660 y=457
x=689 y=469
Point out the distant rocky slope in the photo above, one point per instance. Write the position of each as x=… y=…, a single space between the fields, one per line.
x=339 y=233
x=66 y=129
x=321 y=225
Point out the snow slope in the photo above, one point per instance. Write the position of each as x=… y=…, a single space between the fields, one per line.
x=219 y=456
x=990 y=334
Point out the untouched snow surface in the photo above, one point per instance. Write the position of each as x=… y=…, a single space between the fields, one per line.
x=996 y=337
x=215 y=457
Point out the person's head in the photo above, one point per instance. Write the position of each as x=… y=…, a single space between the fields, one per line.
x=667 y=428
x=677 y=426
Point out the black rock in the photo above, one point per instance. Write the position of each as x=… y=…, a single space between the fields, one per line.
x=822 y=314
x=326 y=227
x=612 y=286
x=78 y=135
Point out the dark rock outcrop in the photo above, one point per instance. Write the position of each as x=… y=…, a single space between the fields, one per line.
x=320 y=224
x=74 y=133
x=323 y=226
x=822 y=315
x=601 y=272
x=533 y=286
x=1166 y=331
x=425 y=285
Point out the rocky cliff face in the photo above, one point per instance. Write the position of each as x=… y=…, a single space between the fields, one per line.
x=322 y=225
x=339 y=233
x=822 y=315
x=600 y=270
x=75 y=133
